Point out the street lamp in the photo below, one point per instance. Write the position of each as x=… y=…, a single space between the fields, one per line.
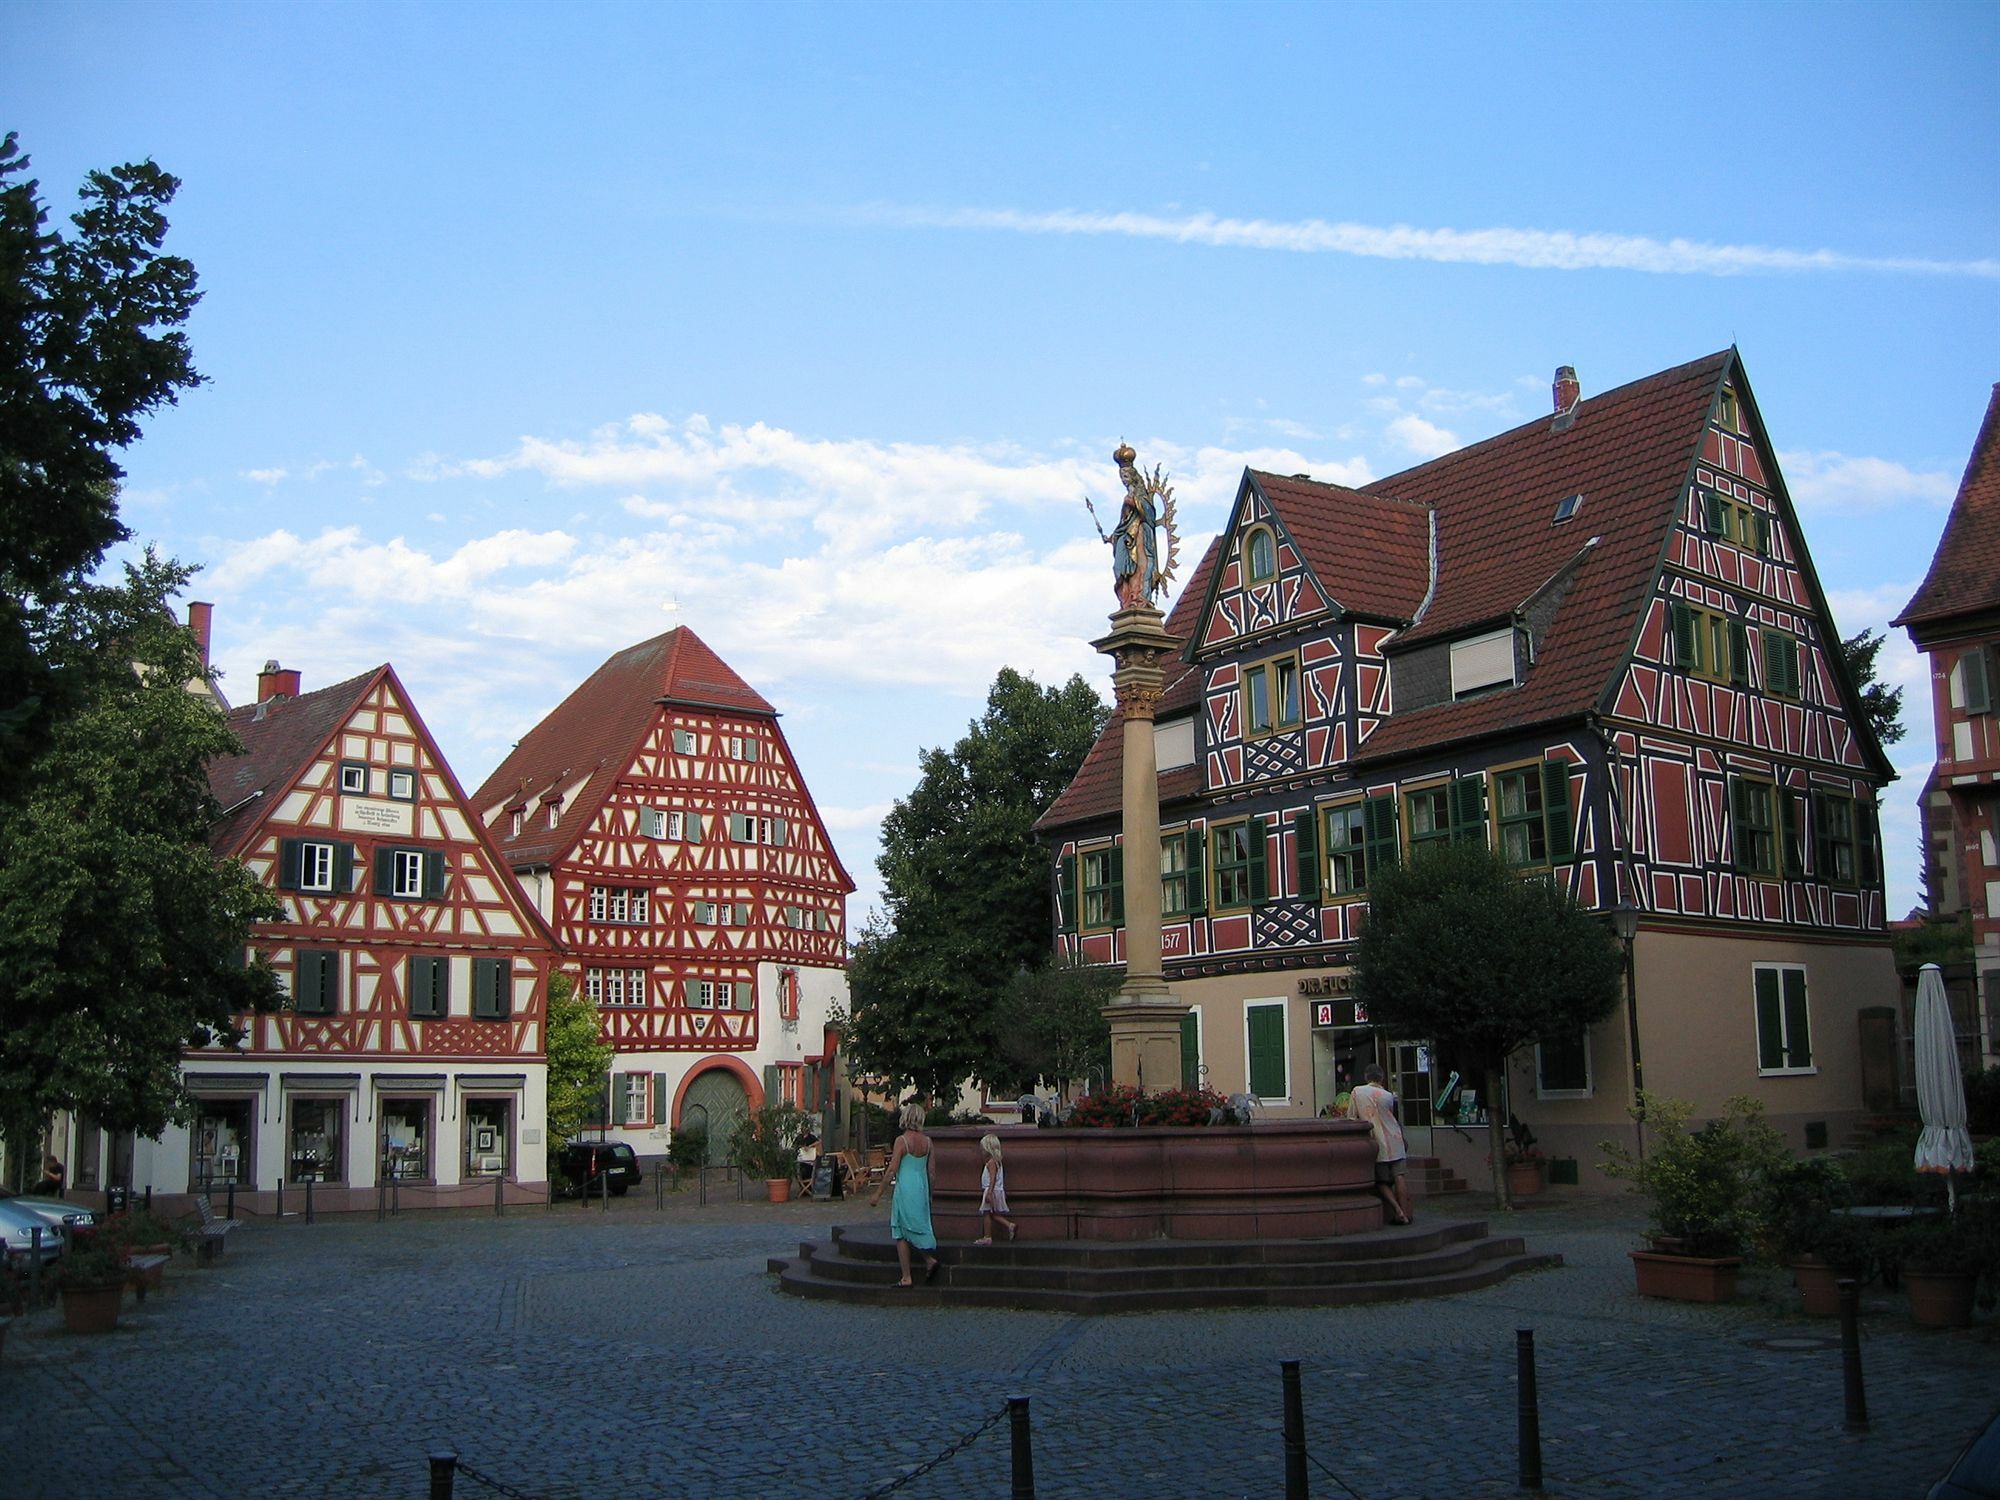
x=1625 y=922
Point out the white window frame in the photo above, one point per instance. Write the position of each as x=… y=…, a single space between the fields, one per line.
x=676 y=825
x=353 y=779
x=403 y=785
x=1283 y=1008
x=638 y=1098
x=618 y=905
x=1589 y=1089
x=406 y=873
x=316 y=866
x=652 y=823
x=683 y=742
x=1756 y=1036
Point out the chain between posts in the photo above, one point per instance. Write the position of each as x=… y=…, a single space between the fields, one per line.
x=951 y=1451
x=491 y=1483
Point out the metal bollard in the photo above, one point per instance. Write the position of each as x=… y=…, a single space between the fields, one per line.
x=309 y=1200
x=395 y=1197
x=229 y=1211
x=1530 y=1418
x=1295 y=1432
x=149 y=1197
x=35 y=1265
x=1850 y=1354
x=499 y=1191
x=280 y=1213
x=381 y=1198
x=1024 y=1449
x=604 y=1189
x=443 y=1467
x=659 y=1186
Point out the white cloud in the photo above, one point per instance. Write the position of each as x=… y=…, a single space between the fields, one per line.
x=264 y=476
x=867 y=817
x=1536 y=249
x=1423 y=438
x=1835 y=481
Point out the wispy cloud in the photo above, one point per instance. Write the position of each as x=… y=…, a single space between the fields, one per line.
x=1835 y=481
x=1423 y=438
x=1535 y=249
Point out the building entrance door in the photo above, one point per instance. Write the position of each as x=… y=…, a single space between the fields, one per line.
x=1410 y=1081
x=715 y=1100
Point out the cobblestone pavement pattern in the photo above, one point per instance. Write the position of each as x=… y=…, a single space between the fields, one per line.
x=646 y=1353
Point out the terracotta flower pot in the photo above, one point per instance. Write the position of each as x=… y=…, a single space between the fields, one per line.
x=780 y=1189
x=1819 y=1285
x=1686 y=1278
x=1524 y=1179
x=92 y=1309
x=1940 y=1299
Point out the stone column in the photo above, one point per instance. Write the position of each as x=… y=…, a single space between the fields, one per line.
x=1145 y=1018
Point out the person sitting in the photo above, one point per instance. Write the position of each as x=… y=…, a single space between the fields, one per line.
x=808 y=1158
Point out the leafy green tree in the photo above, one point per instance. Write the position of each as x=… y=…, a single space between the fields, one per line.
x=90 y=342
x=578 y=1057
x=1881 y=704
x=121 y=936
x=1050 y=1025
x=1463 y=950
x=966 y=887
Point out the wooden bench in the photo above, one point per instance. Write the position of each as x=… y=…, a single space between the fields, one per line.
x=143 y=1272
x=212 y=1231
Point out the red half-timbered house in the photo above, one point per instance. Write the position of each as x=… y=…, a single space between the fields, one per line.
x=408 y=1055
x=1955 y=621
x=1594 y=642
x=664 y=829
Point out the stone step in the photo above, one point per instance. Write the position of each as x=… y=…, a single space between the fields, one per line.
x=872 y=1242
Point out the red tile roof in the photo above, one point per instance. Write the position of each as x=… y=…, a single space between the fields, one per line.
x=280 y=739
x=1627 y=453
x=1370 y=552
x=595 y=731
x=1965 y=570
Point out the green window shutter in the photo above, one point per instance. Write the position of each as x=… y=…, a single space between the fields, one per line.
x=693 y=828
x=1468 y=810
x=1739 y=653
x=1267 y=1051
x=1687 y=640
x=291 y=862
x=433 y=874
x=1190 y=1052
x=1197 y=854
x=659 y=1098
x=1975 y=691
x=770 y=1083
x=343 y=867
x=616 y=1088
x=602 y=1114
x=1798 y=1024
x=781 y=832
x=385 y=871
x=1868 y=830
x=1760 y=524
x=1774 y=663
x=1738 y=799
x=1066 y=892
x=1714 y=515
x=690 y=991
x=1305 y=830
x=1260 y=876
x=1770 y=1021
x=1556 y=809
x=1380 y=847
x=1117 y=884
x=1792 y=843
x=491 y=981
x=429 y=978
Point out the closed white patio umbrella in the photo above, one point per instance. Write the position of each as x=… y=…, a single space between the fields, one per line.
x=1944 y=1146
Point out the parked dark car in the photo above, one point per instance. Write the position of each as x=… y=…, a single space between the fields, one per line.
x=581 y=1165
x=1975 y=1475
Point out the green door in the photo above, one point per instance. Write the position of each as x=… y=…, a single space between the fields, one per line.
x=717 y=1091
x=1190 y=1053
x=1267 y=1051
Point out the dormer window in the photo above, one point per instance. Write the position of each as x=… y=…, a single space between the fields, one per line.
x=1568 y=506
x=520 y=816
x=1260 y=555
x=1725 y=411
x=1485 y=661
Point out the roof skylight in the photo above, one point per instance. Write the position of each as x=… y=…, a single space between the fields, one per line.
x=1568 y=506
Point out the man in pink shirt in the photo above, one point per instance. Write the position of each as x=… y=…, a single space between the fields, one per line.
x=1377 y=1107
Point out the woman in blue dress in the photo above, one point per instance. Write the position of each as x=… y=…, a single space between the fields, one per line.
x=910 y=1210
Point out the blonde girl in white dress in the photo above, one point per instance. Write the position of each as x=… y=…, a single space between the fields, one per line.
x=993 y=1192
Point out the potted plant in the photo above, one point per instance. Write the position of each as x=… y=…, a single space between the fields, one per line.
x=92 y=1279
x=1700 y=1186
x=1942 y=1259
x=1523 y=1160
x=767 y=1146
x=1800 y=1226
x=141 y=1235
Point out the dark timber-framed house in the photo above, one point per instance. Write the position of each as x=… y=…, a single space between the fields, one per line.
x=1596 y=642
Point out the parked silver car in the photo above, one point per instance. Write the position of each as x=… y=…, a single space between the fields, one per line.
x=17 y=1233
x=57 y=1213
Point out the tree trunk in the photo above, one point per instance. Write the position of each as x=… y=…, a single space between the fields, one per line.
x=1498 y=1112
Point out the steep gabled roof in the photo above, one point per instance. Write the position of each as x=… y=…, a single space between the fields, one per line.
x=1370 y=552
x=1628 y=454
x=280 y=738
x=1964 y=578
x=592 y=735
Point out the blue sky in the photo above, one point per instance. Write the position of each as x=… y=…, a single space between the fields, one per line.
x=534 y=331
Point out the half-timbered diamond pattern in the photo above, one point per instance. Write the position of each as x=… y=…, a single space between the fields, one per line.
x=661 y=817
x=1598 y=646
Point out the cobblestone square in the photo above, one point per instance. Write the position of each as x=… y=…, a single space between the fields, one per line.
x=573 y=1353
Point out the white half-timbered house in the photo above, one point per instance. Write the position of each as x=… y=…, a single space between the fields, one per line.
x=1595 y=642
x=663 y=828
x=408 y=1054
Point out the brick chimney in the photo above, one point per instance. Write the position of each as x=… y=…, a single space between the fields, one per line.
x=1567 y=390
x=276 y=682
x=199 y=616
